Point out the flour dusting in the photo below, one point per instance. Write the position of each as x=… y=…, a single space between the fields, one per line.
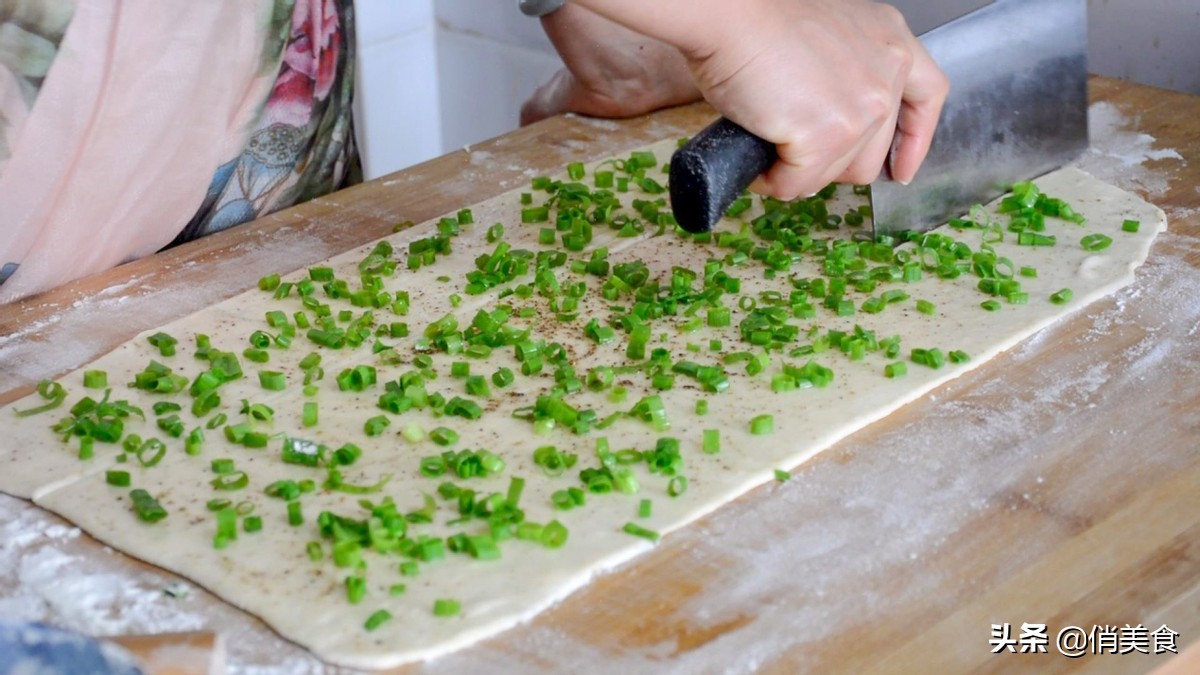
x=1119 y=154
x=596 y=122
x=75 y=333
x=482 y=158
x=46 y=580
x=49 y=573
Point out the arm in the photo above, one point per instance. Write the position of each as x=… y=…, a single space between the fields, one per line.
x=833 y=83
x=611 y=71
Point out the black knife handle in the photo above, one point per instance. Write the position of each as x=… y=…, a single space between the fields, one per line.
x=713 y=169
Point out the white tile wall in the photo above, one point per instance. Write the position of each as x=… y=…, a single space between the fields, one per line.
x=380 y=20
x=483 y=83
x=397 y=116
x=1150 y=41
x=497 y=20
x=490 y=58
x=435 y=75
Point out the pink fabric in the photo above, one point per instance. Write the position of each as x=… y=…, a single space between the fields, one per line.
x=166 y=89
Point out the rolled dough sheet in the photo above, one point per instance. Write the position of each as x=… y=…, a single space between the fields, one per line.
x=269 y=573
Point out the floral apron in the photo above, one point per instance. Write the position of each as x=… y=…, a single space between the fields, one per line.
x=129 y=125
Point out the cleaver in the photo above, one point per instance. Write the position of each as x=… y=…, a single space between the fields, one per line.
x=1017 y=109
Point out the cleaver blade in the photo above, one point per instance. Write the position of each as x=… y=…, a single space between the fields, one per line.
x=1017 y=109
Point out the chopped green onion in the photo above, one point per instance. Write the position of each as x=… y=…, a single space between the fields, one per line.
x=226 y=528
x=269 y=282
x=1131 y=226
x=1034 y=239
x=165 y=343
x=482 y=547
x=445 y=607
x=477 y=386
x=53 y=392
x=95 y=379
x=232 y=481
x=223 y=466
x=164 y=407
x=295 y=514
x=87 y=447
x=516 y=485
x=272 y=380
x=712 y=441
x=444 y=436
x=677 y=486
x=895 y=370
x=719 y=317
x=932 y=358
x=146 y=506
x=117 y=478
x=926 y=307
x=347 y=454
x=375 y=425
x=781 y=475
x=639 y=531
x=1062 y=297
x=314 y=551
x=535 y=214
x=503 y=377
x=433 y=466
x=335 y=482
x=762 y=425
x=356 y=589
x=413 y=432
x=554 y=535
x=463 y=408
x=644 y=508
x=377 y=619
x=1095 y=242
x=151 y=452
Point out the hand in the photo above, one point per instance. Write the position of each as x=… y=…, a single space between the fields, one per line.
x=610 y=70
x=835 y=84
x=831 y=83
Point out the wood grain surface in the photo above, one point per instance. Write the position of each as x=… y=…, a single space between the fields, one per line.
x=1057 y=484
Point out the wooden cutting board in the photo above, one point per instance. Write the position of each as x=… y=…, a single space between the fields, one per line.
x=194 y=653
x=1058 y=484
